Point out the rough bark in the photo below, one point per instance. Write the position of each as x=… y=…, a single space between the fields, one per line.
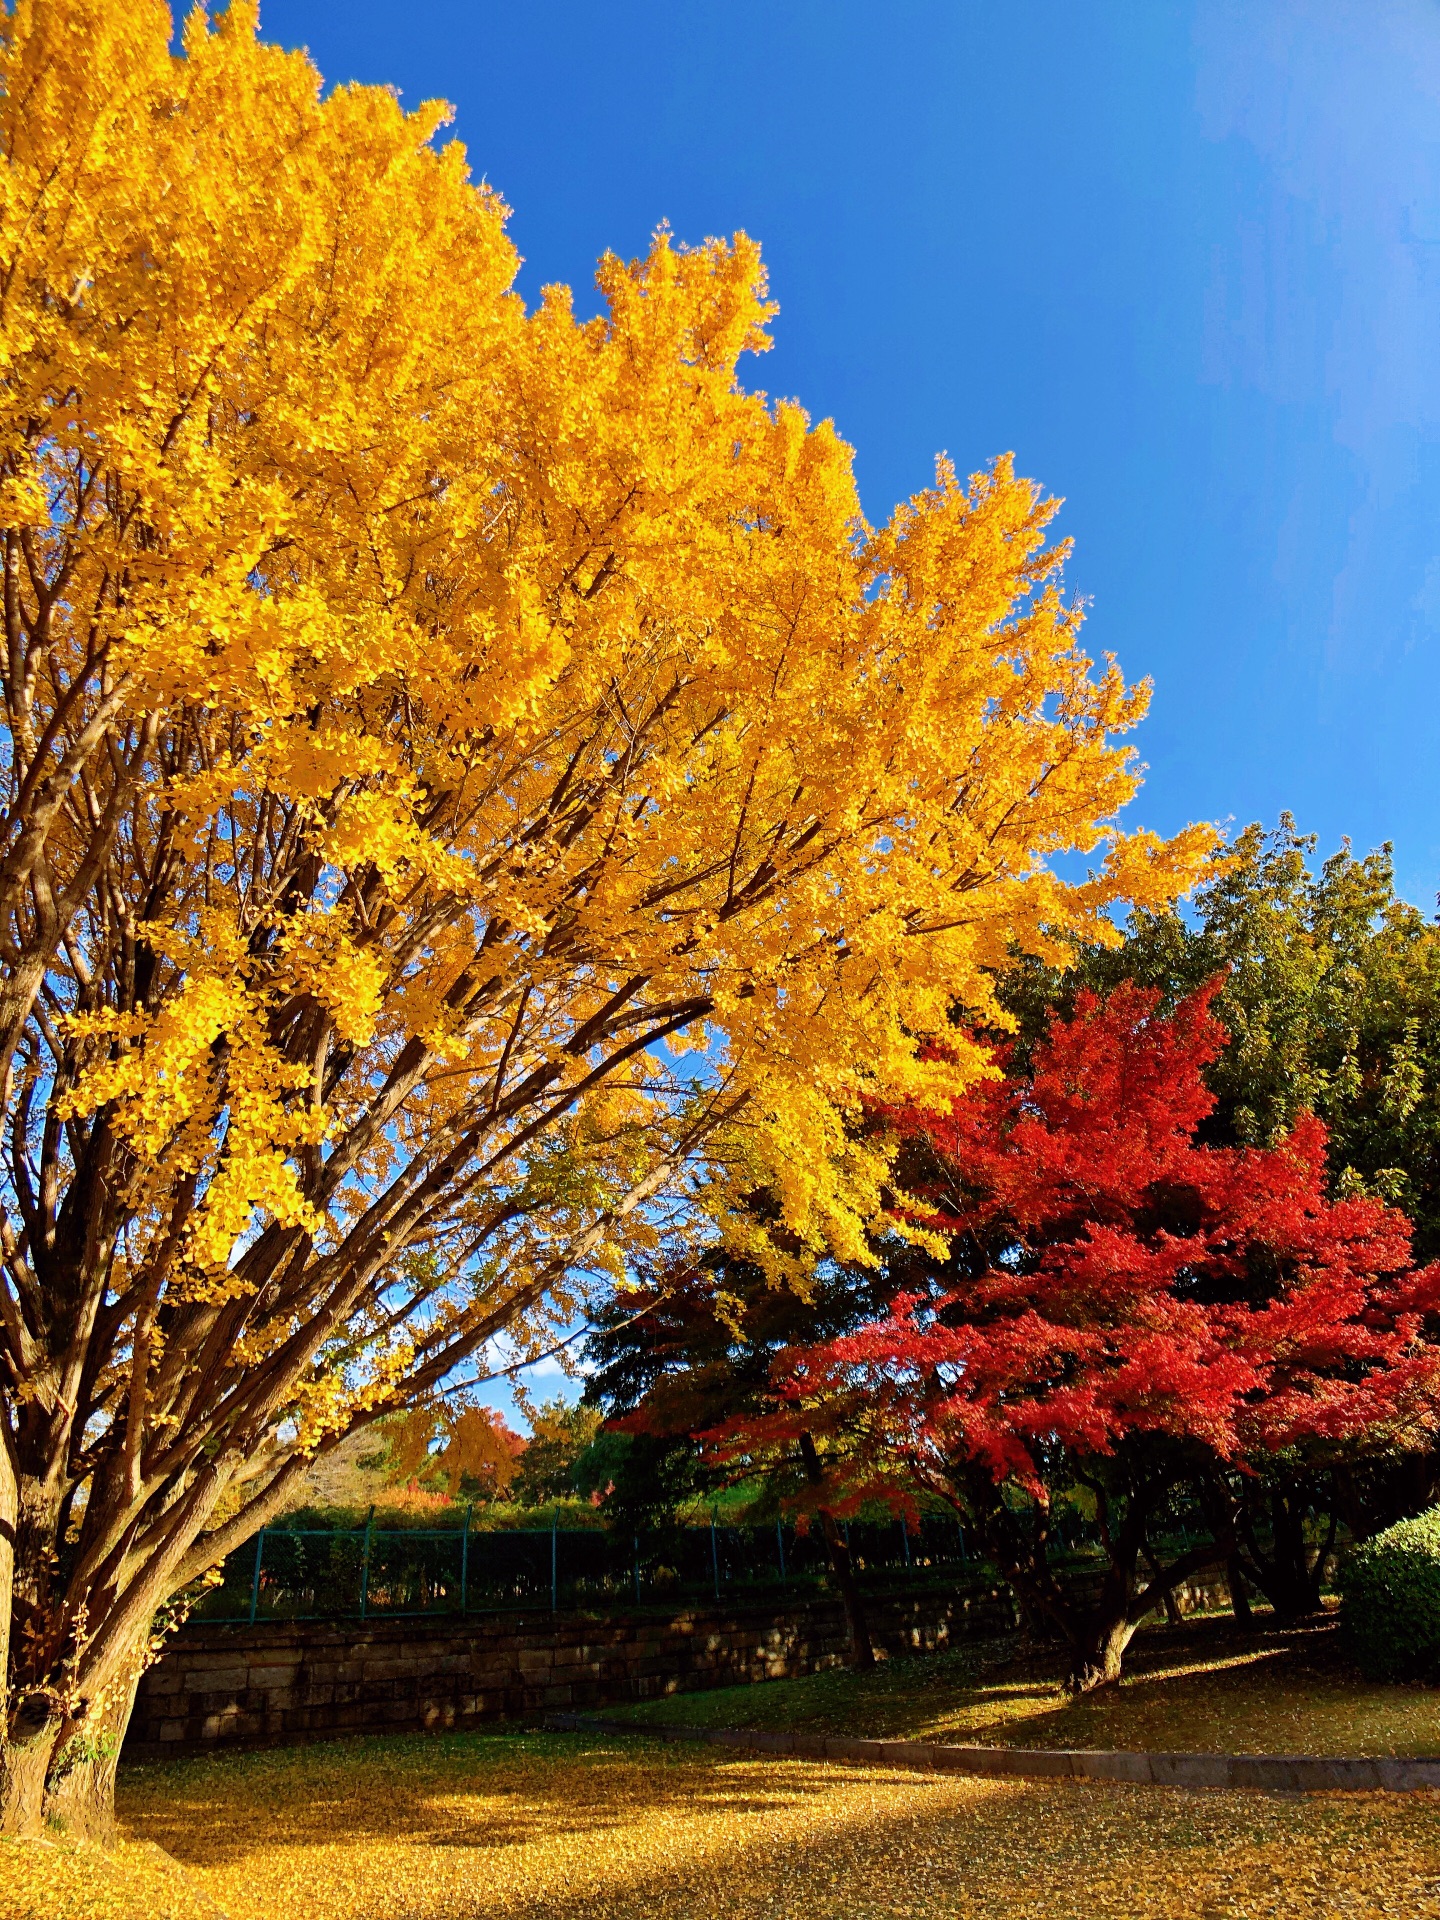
x=27 y=1746
x=80 y=1784
x=57 y=1769
x=1099 y=1655
x=9 y=1515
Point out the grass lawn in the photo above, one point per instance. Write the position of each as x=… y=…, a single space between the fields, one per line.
x=570 y=1827
x=1209 y=1686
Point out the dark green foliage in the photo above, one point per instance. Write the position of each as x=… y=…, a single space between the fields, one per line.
x=642 y=1479
x=1391 y=1601
x=683 y=1356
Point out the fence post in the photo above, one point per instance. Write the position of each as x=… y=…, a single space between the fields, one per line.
x=714 y=1555
x=964 y=1556
x=465 y=1559
x=365 y=1564
x=905 y=1539
x=255 y=1582
x=554 y=1562
x=780 y=1543
x=637 y=1569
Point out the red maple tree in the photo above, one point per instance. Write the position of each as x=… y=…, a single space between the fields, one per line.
x=1121 y=1307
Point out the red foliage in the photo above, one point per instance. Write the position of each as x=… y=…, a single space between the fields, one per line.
x=1111 y=1275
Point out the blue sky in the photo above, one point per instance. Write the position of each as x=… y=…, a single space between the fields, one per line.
x=1181 y=256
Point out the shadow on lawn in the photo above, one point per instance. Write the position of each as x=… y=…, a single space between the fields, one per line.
x=695 y=1834
x=1211 y=1685
x=216 y=1812
x=1078 y=1851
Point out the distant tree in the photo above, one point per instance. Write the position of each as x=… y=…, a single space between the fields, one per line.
x=466 y=1452
x=1120 y=1308
x=560 y=1433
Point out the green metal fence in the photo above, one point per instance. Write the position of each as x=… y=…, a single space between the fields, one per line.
x=372 y=1570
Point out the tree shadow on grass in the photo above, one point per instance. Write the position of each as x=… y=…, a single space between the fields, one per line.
x=1210 y=1684
x=1064 y=1851
x=447 y=1790
x=592 y=1831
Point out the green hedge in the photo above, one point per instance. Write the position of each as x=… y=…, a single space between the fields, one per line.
x=1390 y=1601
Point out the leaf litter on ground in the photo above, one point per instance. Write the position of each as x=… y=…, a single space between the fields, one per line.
x=534 y=1827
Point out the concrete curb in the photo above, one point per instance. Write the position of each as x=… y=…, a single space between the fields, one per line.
x=1274 y=1772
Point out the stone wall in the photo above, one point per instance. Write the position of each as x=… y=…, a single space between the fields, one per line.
x=284 y=1682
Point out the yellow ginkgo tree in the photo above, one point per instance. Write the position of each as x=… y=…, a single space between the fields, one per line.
x=477 y=800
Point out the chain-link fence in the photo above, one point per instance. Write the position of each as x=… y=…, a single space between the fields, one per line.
x=355 y=1572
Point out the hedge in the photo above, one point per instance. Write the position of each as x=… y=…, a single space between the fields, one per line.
x=1390 y=1601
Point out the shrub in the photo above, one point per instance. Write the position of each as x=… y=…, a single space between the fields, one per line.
x=1390 y=1591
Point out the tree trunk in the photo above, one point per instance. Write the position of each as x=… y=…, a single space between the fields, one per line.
x=27 y=1747
x=80 y=1792
x=59 y=1774
x=1097 y=1631
x=9 y=1521
x=1239 y=1599
x=1099 y=1654
x=857 y=1627
x=1291 y=1574
x=837 y=1551
x=1172 y=1606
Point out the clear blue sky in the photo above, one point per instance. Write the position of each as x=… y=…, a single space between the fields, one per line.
x=1181 y=256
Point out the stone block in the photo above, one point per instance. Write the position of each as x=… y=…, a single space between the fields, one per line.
x=213 y=1679
x=271 y=1676
x=317 y=1679
x=214 y=1661
x=379 y=1669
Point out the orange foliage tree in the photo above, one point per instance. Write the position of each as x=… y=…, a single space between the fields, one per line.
x=424 y=720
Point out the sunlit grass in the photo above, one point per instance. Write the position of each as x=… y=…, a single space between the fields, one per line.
x=1206 y=1687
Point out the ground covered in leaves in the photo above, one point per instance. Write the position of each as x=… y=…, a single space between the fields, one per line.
x=556 y=1827
x=1209 y=1686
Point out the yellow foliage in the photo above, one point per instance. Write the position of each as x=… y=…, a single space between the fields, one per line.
x=476 y=1454
x=421 y=710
